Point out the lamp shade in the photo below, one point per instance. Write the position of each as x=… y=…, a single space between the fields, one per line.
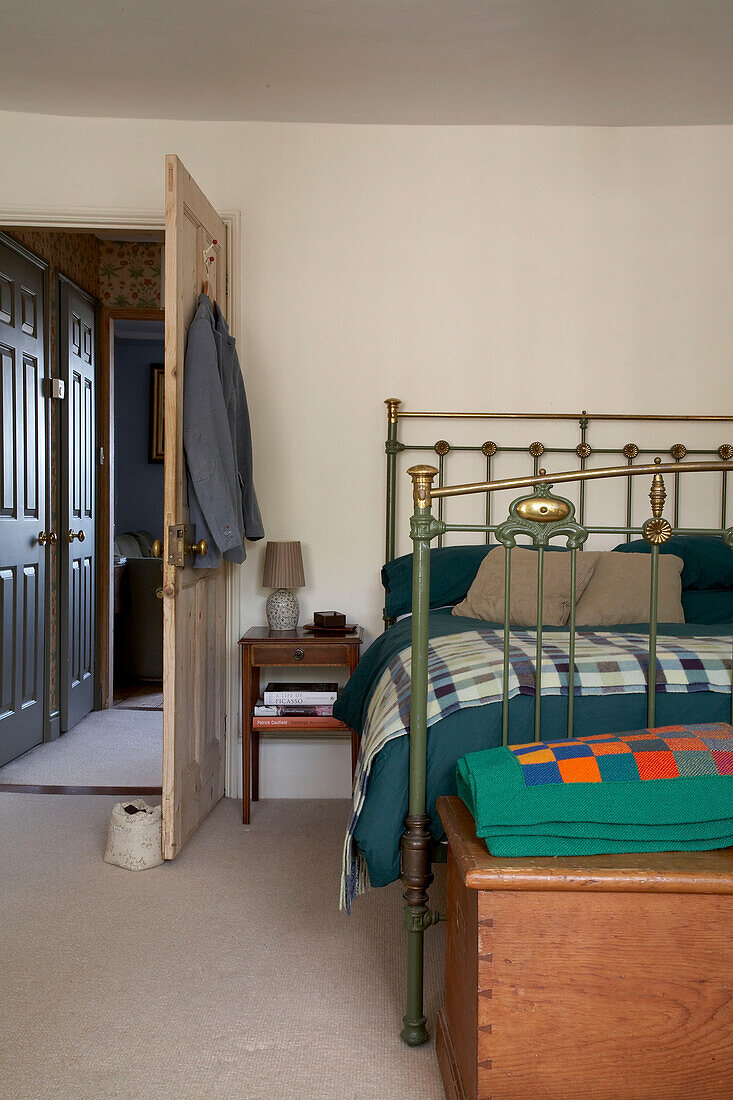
x=283 y=566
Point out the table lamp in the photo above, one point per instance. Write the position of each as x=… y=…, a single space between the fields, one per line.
x=283 y=571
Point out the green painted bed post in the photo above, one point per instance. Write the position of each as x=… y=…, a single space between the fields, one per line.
x=392 y=448
x=653 y=616
x=656 y=531
x=416 y=843
x=728 y=539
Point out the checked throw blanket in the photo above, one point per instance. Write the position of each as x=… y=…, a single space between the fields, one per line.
x=654 y=790
x=466 y=670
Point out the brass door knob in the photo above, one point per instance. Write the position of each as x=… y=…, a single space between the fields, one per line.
x=76 y=535
x=47 y=536
x=157 y=549
x=201 y=548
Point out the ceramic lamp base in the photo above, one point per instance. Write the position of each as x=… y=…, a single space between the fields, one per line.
x=282 y=610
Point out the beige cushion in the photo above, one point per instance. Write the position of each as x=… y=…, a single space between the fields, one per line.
x=620 y=586
x=485 y=598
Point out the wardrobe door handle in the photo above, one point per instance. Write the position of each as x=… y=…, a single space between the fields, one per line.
x=76 y=535
x=47 y=536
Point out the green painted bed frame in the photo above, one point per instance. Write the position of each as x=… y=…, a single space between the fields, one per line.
x=539 y=516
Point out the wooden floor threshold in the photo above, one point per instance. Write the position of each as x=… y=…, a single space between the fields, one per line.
x=150 y=710
x=56 y=788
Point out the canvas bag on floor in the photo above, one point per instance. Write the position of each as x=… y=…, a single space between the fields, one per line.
x=133 y=839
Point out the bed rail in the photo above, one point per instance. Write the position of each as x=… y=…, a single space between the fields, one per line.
x=539 y=517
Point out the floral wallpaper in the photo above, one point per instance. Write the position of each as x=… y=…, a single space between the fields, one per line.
x=130 y=274
x=75 y=255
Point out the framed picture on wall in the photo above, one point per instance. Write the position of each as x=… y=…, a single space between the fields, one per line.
x=157 y=412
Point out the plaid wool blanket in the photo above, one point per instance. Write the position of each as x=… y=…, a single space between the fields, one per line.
x=466 y=670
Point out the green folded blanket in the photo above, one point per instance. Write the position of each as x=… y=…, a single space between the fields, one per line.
x=655 y=790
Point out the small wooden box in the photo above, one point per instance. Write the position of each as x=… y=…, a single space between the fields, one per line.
x=329 y=620
x=603 y=977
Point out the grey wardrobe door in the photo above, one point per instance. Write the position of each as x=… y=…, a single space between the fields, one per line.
x=77 y=534
x=23 y=557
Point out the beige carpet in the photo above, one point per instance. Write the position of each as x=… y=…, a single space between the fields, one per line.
x=107 y=748
x=229 y=973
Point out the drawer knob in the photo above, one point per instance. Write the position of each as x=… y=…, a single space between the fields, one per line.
x=298 y=654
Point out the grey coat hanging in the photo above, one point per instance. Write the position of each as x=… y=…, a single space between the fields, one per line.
x=217 y=441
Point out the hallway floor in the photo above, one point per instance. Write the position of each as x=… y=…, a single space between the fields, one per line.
x=107 y=748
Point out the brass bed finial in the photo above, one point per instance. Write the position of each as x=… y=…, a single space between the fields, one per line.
x=393 y=409
x=657 y=530
x=422 y=484
x=657 y=493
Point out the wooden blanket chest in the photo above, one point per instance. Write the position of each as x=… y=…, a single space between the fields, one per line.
x=598 y=977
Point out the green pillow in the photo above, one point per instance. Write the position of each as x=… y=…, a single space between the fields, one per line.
x=708 y=606
x=452 y=571
x=708 y=561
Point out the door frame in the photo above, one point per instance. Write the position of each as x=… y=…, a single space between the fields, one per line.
x=90 y=218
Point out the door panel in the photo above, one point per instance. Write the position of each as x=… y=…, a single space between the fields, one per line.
x=194 y=600
x=77 y=535
x=23 y=559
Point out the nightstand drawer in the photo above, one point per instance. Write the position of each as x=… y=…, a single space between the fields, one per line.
x=290 y=653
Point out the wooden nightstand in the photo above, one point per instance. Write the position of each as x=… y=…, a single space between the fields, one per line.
x=262 y=647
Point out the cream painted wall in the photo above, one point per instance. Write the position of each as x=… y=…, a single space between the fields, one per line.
x=462 y=267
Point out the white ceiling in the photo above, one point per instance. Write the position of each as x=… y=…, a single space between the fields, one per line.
x=556 y=62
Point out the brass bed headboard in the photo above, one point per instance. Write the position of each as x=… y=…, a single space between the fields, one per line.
x=578 y=451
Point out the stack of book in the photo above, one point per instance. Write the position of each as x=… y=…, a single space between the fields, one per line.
x=297 y=706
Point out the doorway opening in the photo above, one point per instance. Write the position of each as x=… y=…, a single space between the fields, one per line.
x=102 y=307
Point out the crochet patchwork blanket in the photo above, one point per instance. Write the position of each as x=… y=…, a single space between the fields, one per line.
x=653 y=790
x=466 y=670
